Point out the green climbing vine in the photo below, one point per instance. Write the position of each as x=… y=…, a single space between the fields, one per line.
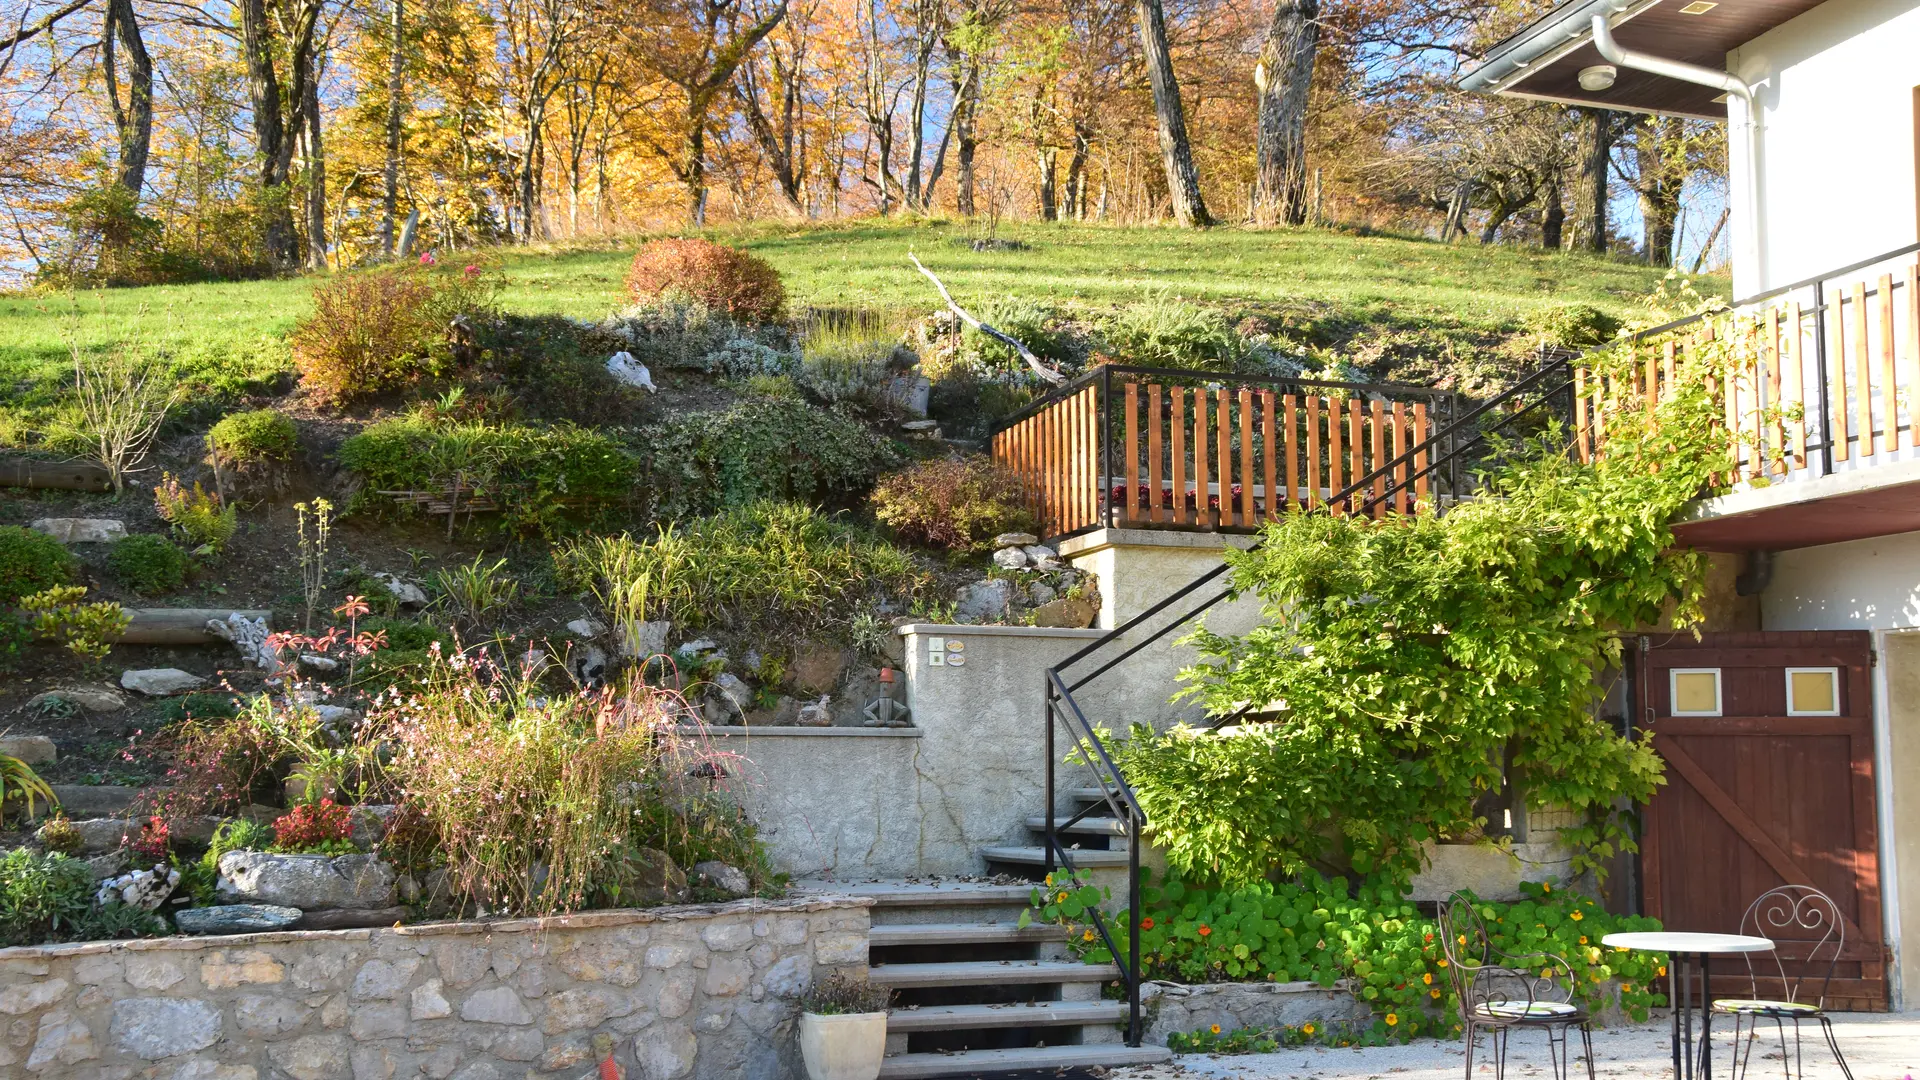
x=1413 y=665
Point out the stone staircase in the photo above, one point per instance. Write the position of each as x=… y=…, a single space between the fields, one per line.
x=975 y=994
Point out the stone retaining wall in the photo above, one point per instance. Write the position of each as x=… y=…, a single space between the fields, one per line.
x=1173 y=1008
x=682 y=992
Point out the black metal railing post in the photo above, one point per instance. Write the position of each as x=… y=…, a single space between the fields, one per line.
x=1049 y=788
x=1133 y=928
x=1820 y=363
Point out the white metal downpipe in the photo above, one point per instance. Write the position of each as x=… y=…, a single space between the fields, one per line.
x=1612 y=52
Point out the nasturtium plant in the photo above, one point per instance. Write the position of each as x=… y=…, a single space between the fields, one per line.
x=1386 y=951
x=1408 y=667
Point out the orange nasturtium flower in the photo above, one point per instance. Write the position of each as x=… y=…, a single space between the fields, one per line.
x=1205 y=930
x=1392 y=1019
x=1215 y=1029
x=1427 y=978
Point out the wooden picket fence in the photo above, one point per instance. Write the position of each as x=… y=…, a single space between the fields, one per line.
x=1149 y=448
x=1818 y=375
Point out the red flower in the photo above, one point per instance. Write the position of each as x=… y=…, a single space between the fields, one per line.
x=1205 y=929
x=1146 y=923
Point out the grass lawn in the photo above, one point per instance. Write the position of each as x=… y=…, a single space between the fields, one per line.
x=226 y=338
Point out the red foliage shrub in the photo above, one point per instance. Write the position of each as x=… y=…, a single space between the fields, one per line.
x=950 y=503
x=723 y=278
x=313 y=826
x=374 y=332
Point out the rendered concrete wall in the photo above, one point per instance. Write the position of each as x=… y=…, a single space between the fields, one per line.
x=841 y=802
x=1901 y=658
x=686 y=992
x=1835 y=88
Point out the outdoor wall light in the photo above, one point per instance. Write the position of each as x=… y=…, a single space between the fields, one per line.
x=1597 y=77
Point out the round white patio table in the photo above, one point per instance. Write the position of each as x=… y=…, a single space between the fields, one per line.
x=1687 y=951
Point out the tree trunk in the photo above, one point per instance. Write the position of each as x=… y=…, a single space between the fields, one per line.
x=133 y=125
x=1176 y=152
x=1457 y=209
x=966 y=113
x=1553 y=220
x=693 y=172
x=1661 y=160
x=316 y=193
x=1049 y=183
x=917 y=110
x=269 y=135
x=1285 y=77
x=1591 y=201
x=1496 y=218
x=1077 y=173
x=396 y=74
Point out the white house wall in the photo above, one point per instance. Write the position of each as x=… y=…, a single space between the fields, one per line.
x=1859 y=585
x=1836 y=93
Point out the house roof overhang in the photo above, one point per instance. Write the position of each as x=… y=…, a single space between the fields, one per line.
x=1877 y=501
x=1545 y=58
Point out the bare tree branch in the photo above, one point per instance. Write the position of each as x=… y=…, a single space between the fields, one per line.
x=1026 y=354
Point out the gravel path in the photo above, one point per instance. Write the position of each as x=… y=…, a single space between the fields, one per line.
x=1878 y=1046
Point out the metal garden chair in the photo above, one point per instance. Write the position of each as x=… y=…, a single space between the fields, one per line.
x=1501 y=991
x=1791 y=914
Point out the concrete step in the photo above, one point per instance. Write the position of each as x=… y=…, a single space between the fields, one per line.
x=1086 y=794
x=976 y=1062
x=990 y=973
x=983 y=933
x=1037 y=856
x=903 y=894
x=1093 y=826
x=1034 y=1014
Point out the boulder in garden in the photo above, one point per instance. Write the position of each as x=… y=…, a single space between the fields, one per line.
x=82 y=530
x=161 y=682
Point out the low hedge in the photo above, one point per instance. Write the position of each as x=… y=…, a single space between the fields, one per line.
x=541 y=479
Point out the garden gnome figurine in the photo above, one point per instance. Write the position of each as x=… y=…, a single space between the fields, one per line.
x=606 y=1068
x=884 y=711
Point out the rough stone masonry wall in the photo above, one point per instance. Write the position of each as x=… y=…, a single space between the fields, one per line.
x=696 y=992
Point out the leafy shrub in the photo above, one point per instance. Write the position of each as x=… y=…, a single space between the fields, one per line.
x=767 y=564
x=477 y=588
x=729 y=280
x=541 y=479
x=204 y=704
x=59 y=835
x=223 y=764
x=324 y=828
x=672 y=331
x=41 y=896
x=15 y=637
x=1322 y=930
x=149 y=565
x=87 y=630
x=257 y=435
x=761 y=448
x=1164 y=331
x=1031 y=323
x=31 y=561
x=572 y=782
x=1572 y=326
x=240 y=834
x=953 y=503
x=546 y=367
x=382 y=330
x=197 y=517
x=153 y=843
x=746 y=358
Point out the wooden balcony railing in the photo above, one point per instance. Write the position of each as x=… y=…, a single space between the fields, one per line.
x=1156 y=448
x=1817 y=377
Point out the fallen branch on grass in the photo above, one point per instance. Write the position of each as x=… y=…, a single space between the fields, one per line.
x=1008 y=340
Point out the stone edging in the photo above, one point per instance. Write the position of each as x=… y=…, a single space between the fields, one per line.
x=578 y=921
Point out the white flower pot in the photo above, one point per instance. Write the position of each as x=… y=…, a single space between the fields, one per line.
x=848 y=1046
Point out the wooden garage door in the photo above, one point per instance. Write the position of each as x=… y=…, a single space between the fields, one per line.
x=1768 y=740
